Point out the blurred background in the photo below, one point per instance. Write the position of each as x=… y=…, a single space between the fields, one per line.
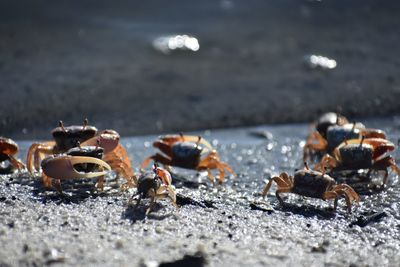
x=255 y=64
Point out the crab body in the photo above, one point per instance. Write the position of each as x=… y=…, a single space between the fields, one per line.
x=313 y=184
x=336 y=134
x=190 y=152
x=358 y=154
x=354 y=156
x=327 y=120
x=328 y=135
x=155 y=185
x=67 y=138
x=146 y=182
x=8 y=150
x=186 y=155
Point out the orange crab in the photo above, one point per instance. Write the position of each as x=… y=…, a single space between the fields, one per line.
x=357 y=154
x=8 y=148
x=331 y=130
x=69 y=137
x=190 y=152
x=313 y=184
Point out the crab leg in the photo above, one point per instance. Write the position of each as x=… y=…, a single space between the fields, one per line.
x=157 y=158
x=278 y=180
x=16 y=163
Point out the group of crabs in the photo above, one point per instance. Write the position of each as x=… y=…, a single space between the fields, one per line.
x=81 y=151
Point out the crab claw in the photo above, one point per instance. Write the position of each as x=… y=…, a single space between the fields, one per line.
x=163 y=174
x=107 y=139
x=62 y=167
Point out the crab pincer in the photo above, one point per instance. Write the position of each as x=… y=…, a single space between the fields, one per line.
x=64 y=167
x=8 y=150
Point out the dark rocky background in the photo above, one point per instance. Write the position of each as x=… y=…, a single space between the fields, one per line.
x=74 y=59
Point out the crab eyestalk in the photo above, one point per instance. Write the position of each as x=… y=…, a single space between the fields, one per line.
x=62 y=167
x=85 y=123
x=61 y=125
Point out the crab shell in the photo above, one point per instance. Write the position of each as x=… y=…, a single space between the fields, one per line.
x=147 y=181
x=311 y=183
x=336 y=134
x=174 y=138
x=68 y=137
x=63 y=166
x=357 y=154
x=186 y=154
x=327 y=120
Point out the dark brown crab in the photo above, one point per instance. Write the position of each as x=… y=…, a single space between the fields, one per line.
x=358 y=154
x=65 y=138
x=155 y=185
x=331 y=130
x=190 y=152
x=8 y=150
x=313 y=184
x=69 y=137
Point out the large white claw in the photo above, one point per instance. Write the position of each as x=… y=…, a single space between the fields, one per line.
x=62 y=167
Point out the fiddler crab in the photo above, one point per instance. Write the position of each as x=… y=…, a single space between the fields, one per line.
x=8 y=149
x=311 y=183
x=155 y=184
x=66 y=138
x=357 y=154
x=190 y=152
x=331 y=130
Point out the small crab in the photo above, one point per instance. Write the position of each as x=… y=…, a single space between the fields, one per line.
x=8 y=148
x=329 y=135
x=313 y=184
x=155 y=184
x=358 y=154
x=69 y=137
x=190 y=152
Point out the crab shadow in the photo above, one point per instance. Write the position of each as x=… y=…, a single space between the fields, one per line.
x=74 y=192
x=307 y=211
x=134 y=214
x=180 y=181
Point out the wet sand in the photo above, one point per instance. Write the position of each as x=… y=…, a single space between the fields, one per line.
x=39 y=228
x=71 y=60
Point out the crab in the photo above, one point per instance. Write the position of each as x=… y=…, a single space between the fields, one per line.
x=8 y=149
x=358 y=154
x=311 y=183
x=155 y=185
x=190 y=152
x=67 y=167
x=331 y=130
x=69 y=137
x=65 y=138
